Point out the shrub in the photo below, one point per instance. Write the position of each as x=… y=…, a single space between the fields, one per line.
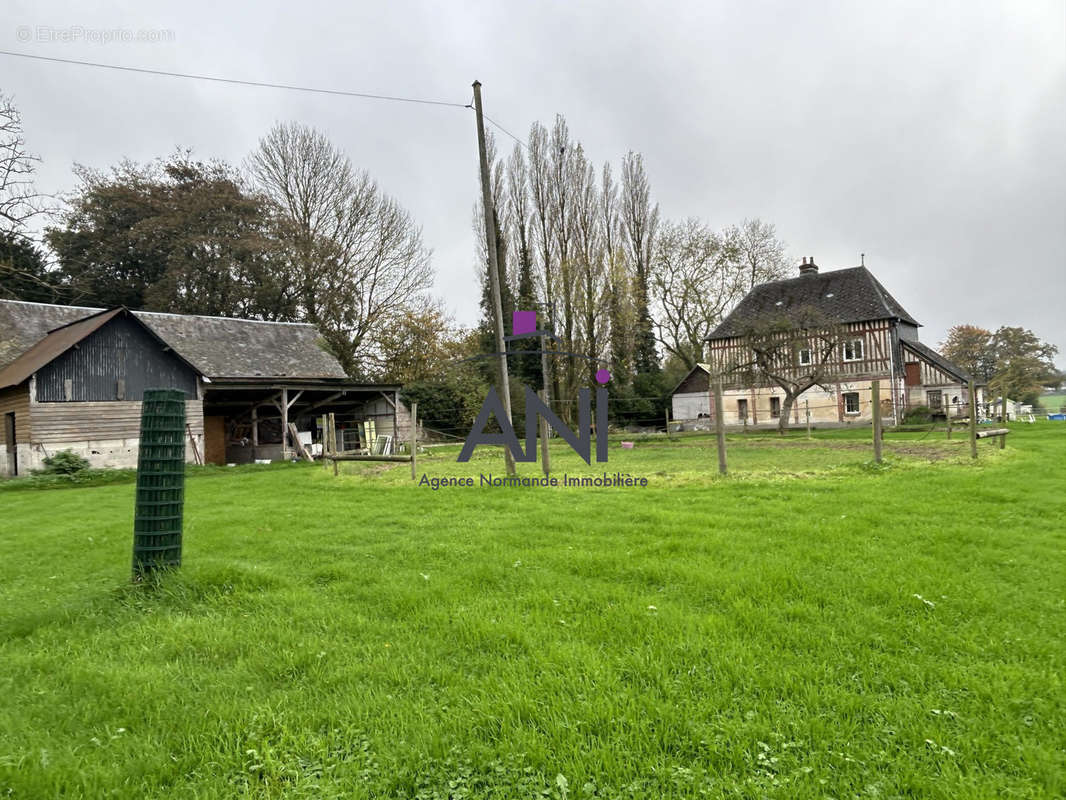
x=65 y=462
x=917 y=415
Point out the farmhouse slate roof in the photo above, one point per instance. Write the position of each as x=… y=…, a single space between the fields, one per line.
x=219 y=347
x=842 y=295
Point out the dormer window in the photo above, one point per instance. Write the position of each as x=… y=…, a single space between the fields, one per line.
x=853 y=350
x=806 y=357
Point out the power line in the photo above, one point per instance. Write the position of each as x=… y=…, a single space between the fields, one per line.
x=498 y=125
x=237 y=81
x=260 y=84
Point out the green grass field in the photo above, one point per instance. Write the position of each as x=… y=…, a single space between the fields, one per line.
x=808 y=627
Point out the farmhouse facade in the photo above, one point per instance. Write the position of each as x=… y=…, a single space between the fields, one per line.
x=72 y=378
x=873 y=338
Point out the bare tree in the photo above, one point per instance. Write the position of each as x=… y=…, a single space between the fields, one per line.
x=24 y=269
x=19 y=199
x=357 y=255
x=620 y=306
x=693 y=285
x=640 y=220
x=566 y=160
x=591 y=288
x=755 y=248
x=795 y=352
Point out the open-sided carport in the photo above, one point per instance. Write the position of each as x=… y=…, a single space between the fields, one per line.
x=246 y=419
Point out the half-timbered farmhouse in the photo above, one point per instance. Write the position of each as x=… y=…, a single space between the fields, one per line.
x=72 y=378
x=874 y=338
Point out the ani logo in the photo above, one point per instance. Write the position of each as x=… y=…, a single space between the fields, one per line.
x=524 y=326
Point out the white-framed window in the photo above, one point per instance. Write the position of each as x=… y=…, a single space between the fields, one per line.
x=853 y=350
x=806 y=357
x=851 y=402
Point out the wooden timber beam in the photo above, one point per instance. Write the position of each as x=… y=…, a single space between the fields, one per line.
x=325 y=401
x=360 y=457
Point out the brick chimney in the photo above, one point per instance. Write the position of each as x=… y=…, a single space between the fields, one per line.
x=808 y=267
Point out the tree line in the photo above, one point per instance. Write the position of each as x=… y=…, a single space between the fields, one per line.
x=296 y=232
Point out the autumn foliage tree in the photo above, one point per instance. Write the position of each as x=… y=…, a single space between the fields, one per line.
x=1023 y=363
x=971 y=348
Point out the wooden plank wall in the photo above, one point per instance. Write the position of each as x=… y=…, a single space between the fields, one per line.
x=16 y=399
x=81 y=422
x=934 y=376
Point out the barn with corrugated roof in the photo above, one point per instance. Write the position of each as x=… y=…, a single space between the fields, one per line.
x=72 y=378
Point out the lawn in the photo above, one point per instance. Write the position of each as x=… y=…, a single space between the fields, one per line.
x=811 y=626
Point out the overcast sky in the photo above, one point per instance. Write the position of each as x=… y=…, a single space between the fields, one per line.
x=930 y=136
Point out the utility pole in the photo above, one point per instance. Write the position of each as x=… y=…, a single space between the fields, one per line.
x=494 y=269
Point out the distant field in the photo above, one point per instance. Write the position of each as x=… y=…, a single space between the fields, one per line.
x=1053 y=402
x=809 y=627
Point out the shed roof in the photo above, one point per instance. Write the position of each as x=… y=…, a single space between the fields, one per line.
x=937 y=360
x=842 y=295
x=218 y=347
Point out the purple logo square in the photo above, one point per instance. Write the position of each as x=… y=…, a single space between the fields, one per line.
x=523 y=322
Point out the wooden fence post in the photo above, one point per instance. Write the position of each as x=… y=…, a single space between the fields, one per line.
x=719 y=426
x=414 y=437
x=947 y=416
x=284 y=424
x=807 y=411
x=545 y=459
x=876 y=398
x=331 y=438
x=1003 y=413
x=973 y=421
